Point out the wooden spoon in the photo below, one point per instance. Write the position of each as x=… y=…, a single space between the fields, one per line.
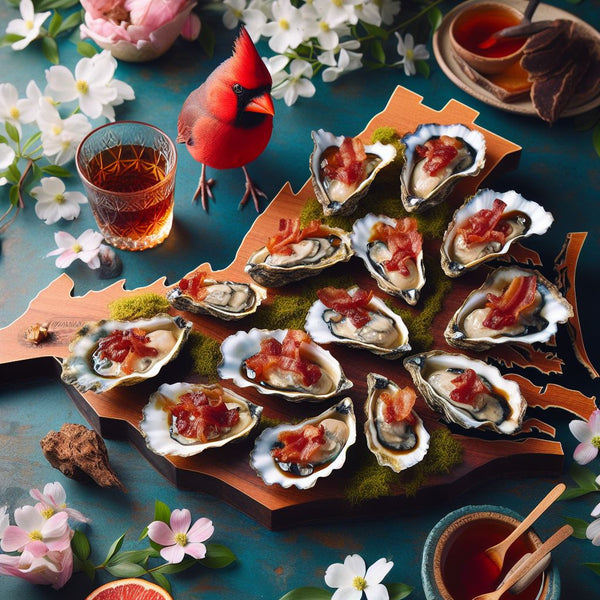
x=497 y=553
x=560 y=536
x=514 y=31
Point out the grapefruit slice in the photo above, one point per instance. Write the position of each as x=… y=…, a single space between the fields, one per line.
x=130 y=589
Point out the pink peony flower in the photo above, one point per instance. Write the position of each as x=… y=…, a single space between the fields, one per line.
x=55 y=568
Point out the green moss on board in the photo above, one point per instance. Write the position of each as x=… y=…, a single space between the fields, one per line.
x=205 y=353
x=140 y=306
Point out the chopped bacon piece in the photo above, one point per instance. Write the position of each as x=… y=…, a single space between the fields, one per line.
x=290 y=232
x=123 y=345
x=348 y=163
x=403 y=241
x=203 y=415
x=352 y=307
x=194 y=285
x=517 y=297
x=486 y=225
x=439 y=153
x=466 y=387
x=398 y=406
x=300 y=445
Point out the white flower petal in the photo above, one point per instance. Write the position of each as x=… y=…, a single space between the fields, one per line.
x=581 y=430
x=378 y=570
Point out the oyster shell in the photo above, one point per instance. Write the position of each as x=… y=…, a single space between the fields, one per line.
x=374 y=254
x=520 y=217
x=337 y=198
x=395 y=445
x=159 y=426
x=228 y=300
x=86 y=370
x=421 y=191
x=339 y=423
x=242 y=345
x=537 y=324
x=308 y=258
x=385 y=334
x=502 y=409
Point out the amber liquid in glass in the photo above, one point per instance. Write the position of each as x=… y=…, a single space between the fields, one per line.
x=132 y=169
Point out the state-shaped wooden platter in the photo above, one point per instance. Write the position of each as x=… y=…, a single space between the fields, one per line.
x=225 y=472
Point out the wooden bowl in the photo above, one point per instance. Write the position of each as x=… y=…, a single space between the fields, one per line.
x=476 y=23
x=454 y=566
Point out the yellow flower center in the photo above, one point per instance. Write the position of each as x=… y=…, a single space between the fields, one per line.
x=36 y=535
x=409 y=54
x=284 y=24
x=59 y=199
x=238 y=13
x=324 y=26
x=81 y=86
x=360 y=583
x=77 y=248
x=181 y=539
x=14 y=112
x=338 y=3
x=56 y=129
x=596 y=441
x=48 y=512
x=29 y=24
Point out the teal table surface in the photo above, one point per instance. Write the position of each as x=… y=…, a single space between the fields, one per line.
x=558 y=168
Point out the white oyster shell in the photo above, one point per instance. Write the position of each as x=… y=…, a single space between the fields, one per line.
x=323 y=255
x=528 y=218
x=156 y=422
x=431 y=372
x=78 y=370
x=415 y=439
x=407 y=289
x=462 y=330
x=375 y=336
x=268 y=469
x=420 y=201
x=344 y=202
x=244 y=344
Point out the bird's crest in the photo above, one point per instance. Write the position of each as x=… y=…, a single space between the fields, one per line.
x=247 y=65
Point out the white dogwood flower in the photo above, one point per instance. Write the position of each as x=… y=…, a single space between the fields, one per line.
x=86 y=248
x=409 y=52
x=54 y=202
x=352 y=578
x=28 y=26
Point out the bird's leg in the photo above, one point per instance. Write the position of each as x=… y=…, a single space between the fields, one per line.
x=204 y=189
x=251 y=190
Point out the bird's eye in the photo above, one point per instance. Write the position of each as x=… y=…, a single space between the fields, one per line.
x=237 y=88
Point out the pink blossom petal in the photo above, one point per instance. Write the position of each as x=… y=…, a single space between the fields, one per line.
x=581 y=430
x=191 y=27
x=37 y=548
x=29 y=518
x=14 y=538
x=180 y=520
x=65 y=259
x=585 y=453
x=160 y=533
x=56 y=493
x=173 y=554
x=195 y=550
x=201 y=530
x=64 y=239
x=595 y=422
x=56 y=526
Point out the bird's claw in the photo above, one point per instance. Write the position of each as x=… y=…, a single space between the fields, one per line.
x=251 y=190
x=203 y=190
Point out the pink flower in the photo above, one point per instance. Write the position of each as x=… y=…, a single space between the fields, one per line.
x=588 y=434
x=86 y=247
x=53 y=500
x=55 y=568
x=181 y=539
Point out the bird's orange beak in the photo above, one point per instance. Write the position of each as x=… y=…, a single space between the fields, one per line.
x=261 y=104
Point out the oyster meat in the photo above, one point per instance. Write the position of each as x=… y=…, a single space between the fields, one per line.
x=228 y=300
x=184 y=419
x=298 y=455
x=110 y=353
x=282 y=362
x=436 y=157
x=513 y=305
x=295 y=253
x=392 y=252
x=357 y=318
x=486 y=225
x=342 y=170
x=467 y=392
x=395 y=433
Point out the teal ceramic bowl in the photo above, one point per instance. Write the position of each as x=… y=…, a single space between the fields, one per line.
x=452 y=535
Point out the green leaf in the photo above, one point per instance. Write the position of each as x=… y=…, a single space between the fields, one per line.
x=169 y=568
x=161 y=512
x=55 y=24
x=572 y=493
x=206 y=40
x=435 y=16
x=36 y=172
x=86 y=49
x=32 y=140
x=217 y=556
x=307 y=593
x=14 y=173
x=161 y=580
x=70 y=22
x=3 y=140
x=131 y=556
x=80 y=545
x=116 y=546
x=50 y=49
x=54 y=4
x=376 y=32
x=398 y=591
x=56 y=171
x=583 y=477
x=596 y=139
x=579 y=526
x=12 y=131
x=593 y=566
x=126 y=569
x=377 y=51
x=422 y=68
x=143 y=534
x=10 y=38
x=13 y=195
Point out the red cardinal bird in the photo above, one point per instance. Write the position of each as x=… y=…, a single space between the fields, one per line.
x=227 y=122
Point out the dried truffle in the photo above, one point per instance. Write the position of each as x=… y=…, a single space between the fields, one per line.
x=37 y=334
x=80 y=453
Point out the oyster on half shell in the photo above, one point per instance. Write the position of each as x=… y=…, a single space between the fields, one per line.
x=274 y=464
x=337 y=197
x=497 y=405
x=518 y=218
x=160 y=426
x=396 y=444
x=421 y=190
x=87 y=368
x=536 y=323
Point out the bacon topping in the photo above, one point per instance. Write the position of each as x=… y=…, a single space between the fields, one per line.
x=194 y=285
x=124 y=346
x=398 y=405
x=299 y=446
x=486 y=225
x=284 y=356
x=505 y=309
x=203 y=415
x=291 y=233
x=439 y=153
x=466 y=387
x=348 y=163
x=352 y=307
x=403 y=241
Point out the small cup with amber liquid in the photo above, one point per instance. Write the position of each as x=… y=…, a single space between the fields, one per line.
x=128 y=171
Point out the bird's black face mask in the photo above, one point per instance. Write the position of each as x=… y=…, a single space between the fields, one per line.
x=248 y=119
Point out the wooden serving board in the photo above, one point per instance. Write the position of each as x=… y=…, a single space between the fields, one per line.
x=225 y=472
